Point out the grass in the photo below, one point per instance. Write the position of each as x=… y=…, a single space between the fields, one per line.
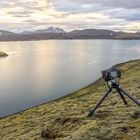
x=3 y=54
x=65 y=118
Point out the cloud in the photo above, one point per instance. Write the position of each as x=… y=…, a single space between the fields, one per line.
x=22 y=13
x=129 y=15
x=75 y=7
x=70 y=14
x=128 y=4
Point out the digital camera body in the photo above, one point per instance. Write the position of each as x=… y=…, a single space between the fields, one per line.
x=111 y=74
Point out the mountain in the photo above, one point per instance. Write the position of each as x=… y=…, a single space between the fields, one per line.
x=48 y=30
x=51 y=30
x=66 y=118
x=2 y=32
x=102 y=34
x=92 y=33
x=138 y=32
x=127 y=36
x=58 y=33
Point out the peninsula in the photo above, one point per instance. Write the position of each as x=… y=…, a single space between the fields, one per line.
x=3 y=54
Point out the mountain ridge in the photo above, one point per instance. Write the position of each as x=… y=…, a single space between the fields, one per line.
x=51 y=29
x=4 y=32
x=59 y=33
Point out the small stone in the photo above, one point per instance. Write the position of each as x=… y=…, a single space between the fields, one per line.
x=47 y=134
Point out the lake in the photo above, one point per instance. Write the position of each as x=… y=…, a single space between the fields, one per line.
x=39 y=71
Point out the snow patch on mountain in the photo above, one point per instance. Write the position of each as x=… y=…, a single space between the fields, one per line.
x=51 y=30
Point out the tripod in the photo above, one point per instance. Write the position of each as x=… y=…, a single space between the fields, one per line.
x=120 y=90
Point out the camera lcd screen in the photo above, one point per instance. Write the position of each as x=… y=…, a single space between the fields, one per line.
x=114 y=74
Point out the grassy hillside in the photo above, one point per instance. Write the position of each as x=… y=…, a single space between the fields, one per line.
x=3 y=54
x=127 y=36
x=65 y=118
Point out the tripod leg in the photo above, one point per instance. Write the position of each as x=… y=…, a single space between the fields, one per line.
x=121 y=95
x=99 y=103
x=131 y=97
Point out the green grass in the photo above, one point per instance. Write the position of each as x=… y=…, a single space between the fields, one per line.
x=65 y=118
x=127 y=36
x=3 y=54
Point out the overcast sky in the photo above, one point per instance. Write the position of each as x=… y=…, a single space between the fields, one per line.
x=70 y=14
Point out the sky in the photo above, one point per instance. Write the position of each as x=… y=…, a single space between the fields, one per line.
x=22 y=15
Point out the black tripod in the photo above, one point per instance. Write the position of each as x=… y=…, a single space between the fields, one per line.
x=120 y=90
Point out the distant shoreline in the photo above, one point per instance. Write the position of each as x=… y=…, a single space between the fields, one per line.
x=69 y=39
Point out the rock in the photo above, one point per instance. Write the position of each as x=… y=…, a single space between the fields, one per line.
x=47 y=134
x=3 y=54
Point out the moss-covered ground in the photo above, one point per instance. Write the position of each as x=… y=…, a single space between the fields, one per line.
x=65 y=118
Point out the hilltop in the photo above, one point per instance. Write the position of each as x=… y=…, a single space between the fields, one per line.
x=65 y=118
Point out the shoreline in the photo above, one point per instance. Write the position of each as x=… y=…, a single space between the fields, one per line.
x=125 y=39
x=66 y=117
x=3 y=54
x=67 y=95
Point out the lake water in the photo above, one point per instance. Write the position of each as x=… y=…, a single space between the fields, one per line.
x=38 y=71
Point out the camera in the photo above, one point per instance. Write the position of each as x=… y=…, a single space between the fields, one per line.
x=111 y=74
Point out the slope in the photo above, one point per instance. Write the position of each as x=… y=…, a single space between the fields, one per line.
x=65 y=118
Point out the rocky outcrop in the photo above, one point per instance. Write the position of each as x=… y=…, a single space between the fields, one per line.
x=3 y=54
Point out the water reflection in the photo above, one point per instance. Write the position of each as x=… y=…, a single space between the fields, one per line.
x=38 y=71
